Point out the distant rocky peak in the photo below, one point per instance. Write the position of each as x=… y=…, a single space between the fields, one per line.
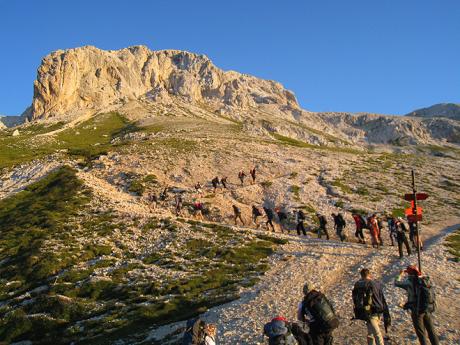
x=449 y=110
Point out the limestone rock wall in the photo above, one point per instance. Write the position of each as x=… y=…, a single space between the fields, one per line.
x=90 y=78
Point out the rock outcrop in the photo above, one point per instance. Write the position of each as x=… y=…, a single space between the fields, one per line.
x=449 y=110
x=88 y=78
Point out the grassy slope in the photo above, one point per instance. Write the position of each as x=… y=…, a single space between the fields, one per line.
x=50 y=238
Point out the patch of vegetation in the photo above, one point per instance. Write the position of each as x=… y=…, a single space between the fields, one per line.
x=339 y=204
x=453 y=243
x=296 y=191
x=308 y=208
x=293 y=174
x=266 y=184
x=340 y=184
x=362 y=191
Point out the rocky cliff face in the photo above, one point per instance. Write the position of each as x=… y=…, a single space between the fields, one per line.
x=88 y=78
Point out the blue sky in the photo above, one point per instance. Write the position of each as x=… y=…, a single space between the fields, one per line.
x=389 y=56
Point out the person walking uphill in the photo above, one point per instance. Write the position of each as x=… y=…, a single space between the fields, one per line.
x=322 y=226
x=420 y=301
x=241 y=176
x=300 y=218
x=369 y=305
x=215 y=183
x=339 y=225
x=255 y=214
x=401 y=238
x=320 y=315
x=270 y=215
x=359 y=228
x=252 y=172
x=374 y=229
x=237 y=214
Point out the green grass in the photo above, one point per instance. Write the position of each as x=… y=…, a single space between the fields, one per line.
x=453 y=244
x=296 y=191
x=340 y=184
x=87 y=140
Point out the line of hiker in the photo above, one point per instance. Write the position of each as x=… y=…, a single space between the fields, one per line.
x=317 y=319
x=288 y=220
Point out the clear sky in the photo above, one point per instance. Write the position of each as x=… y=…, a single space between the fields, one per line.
x=387 y=56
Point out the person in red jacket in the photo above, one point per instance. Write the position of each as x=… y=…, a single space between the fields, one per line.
x=375 y=230
x=359 y=228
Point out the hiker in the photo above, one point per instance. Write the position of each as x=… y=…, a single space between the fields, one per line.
x=339 y=225
x=198 y=210
x=270 y=216
x=223 y=181
x=241 y=176
x=359 y=228
x=198 y=188
x=391 y=222
x=179 y=203
x=278 y=331
x=374 y=229
x=401 y=238
x=300 y=218
x=164 y=194
x=210 y=331
x=369 y=305
x=421 y=303
x=282 y=217
x=318 y=312
x=252 y=172
x=237 y=214
x=153 y=201
x=413 y=235
x=215 y=183
x=255 y=214
x=322 y=226
x=198 y=332
x=380 y=224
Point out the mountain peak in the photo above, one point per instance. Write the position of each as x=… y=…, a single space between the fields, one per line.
x=90 y=79
x=449 y=110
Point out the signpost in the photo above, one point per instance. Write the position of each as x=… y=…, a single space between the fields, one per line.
x=414 y=214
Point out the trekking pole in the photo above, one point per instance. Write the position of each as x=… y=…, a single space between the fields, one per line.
x=414 y=211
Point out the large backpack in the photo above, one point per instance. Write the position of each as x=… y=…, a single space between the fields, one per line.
x=279 y=333
x=425 y=295
x=300 y=215
x=362 y=300
x=363 y=222
x=322 y=311
x=194 y=332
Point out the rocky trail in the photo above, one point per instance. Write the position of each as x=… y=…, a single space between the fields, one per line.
x=333 y=267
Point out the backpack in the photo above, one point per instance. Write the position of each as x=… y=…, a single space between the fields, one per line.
x=301 y=215
x=322 y=311
x=362 y=300
x=194 y=332
x=425 y=295
x=363 y=222
x=341 y=221
x=279 y=333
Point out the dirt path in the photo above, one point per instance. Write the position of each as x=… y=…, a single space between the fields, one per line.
x=333 y=267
